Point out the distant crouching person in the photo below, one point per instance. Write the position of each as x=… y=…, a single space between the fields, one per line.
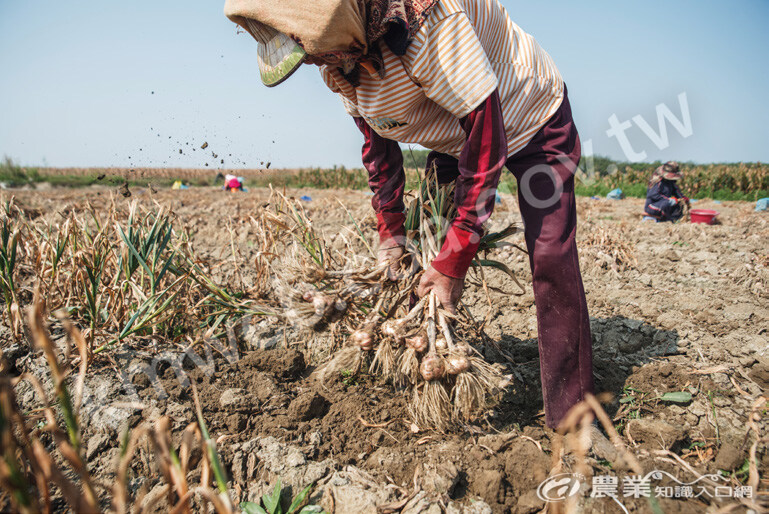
x=664 y=200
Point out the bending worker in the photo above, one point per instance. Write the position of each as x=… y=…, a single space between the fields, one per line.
x=232 y=183
x=460 y=78
x=664 y=200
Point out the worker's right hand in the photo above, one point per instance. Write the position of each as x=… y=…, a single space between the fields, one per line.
x=393 y=257
x=448 y=290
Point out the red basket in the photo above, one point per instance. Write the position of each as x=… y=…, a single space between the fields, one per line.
x=703 y=216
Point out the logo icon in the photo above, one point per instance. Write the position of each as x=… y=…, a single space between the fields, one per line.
x=559 y=487
x=385 y=123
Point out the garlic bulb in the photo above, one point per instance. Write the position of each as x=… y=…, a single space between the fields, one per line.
x=464 y=349
x=321 y=304
x=432 y=367
x=390 y=328
x=418 y=343
x=457 y=364
x=364 y=339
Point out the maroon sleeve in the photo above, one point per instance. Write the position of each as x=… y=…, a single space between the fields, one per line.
x=383 y=159
x=480 y=166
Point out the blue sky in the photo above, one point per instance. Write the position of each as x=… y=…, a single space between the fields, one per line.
x=89 y=83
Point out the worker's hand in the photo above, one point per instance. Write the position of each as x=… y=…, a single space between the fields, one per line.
x=394 y=258
x=447 y=289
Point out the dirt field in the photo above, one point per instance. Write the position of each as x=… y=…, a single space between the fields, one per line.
x=674 y=308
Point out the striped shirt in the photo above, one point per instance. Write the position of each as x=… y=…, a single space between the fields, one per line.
x=464 y=51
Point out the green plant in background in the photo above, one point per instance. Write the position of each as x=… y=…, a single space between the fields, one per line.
x=146 y=246
x=741 y=181
x=58 y=244
x=722 y=181
x=633 y=398
x=155 y=310
x=12 y=174
x=270 y=503
x=337 y=177
x=306 y=235
x=91 y=263
x=9 y=243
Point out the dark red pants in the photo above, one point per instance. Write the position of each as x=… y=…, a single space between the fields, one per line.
x=545 y=170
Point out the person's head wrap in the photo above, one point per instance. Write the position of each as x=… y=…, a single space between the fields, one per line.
x=672 y=171
x=341 y=33
x=668 y=171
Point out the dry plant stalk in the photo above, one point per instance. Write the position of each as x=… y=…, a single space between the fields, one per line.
x=575 y=434
x=10 y=253
x=615 y=251
x=33 y=474
x=753 y=475
x=584 y=413
x=70 y=447
x=126 y=273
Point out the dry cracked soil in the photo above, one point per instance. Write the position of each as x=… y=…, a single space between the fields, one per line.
x=674 y=308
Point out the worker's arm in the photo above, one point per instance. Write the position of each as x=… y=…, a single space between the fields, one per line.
x=654 y=193
x=384 y=161
x=453 y=70
x=480 y=166
x=683 y=199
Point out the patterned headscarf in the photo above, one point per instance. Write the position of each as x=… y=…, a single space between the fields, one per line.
x=668 y=171
x=395 y=22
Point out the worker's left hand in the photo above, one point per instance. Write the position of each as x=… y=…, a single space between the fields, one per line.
x=393 y=257
x=447 y=289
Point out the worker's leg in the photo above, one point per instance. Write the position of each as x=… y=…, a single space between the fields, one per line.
x=666 y=212
x=655 y=211
x=545 y=174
